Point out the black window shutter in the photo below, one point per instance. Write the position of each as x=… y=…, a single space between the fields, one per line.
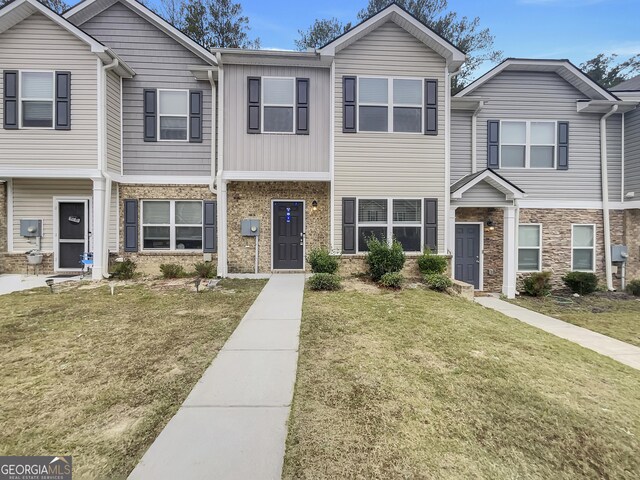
x=349 y=225
x=10 y=104
x=302 y=106
x=349 y=106
x=63 y=100
x=493 y=144
x=195 y=116
x=431 y=224
x=131 y=225
x=431 y=107
x=253 y=101
x=150 y=114
x=209 y=242
x=563 y=145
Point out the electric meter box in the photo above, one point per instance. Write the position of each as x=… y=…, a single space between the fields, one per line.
x=250 y=227
x=619 y=253
x=30 y=228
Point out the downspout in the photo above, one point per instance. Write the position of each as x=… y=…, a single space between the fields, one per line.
x=605 y=196
x=474 y=140
x=447 y=155
x=221 y=184
x=212 y=183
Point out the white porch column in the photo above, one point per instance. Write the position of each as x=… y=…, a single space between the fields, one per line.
x=509 y=270
x=451 y=226
x=222 y=227
x=98 y=240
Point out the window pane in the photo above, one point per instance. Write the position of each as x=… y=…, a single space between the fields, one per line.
x=543 y=133
x=528 y=260
x=407 y=119
x=365 y=233
x=156 y=237
x=529 y=236
x=407 y=92
x=155 y=212
x=37 y=85
x=278 y=119
x=173 y=128
x=37 y=114
x=542 y=157
x=373 y=90
x=514 y=132
x=188 y=213
x=409 y=238
x=406 y=211
x=173 y=103
x=512 y=156
x=372 y=211
x=188 y=238
x=374 y=119
x=583 y=236
x=278 y=91
x=583 y=259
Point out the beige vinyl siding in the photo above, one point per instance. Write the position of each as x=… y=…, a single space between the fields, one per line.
x=113 y=123
x=269 y=151
x=460 y=144
x=389 y=164
x=614 y=157
x=40 y=44
x=632 y=153
x=482 y=194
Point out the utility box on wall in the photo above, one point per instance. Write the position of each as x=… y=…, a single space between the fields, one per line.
x=619 y=253
x=30 y=228
x=250 y=227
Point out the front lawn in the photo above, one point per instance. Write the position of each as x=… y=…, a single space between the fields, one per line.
x=423 y=385
x=98 y=376
x=614 y=314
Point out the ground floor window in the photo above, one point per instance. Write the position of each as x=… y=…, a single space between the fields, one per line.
x=171 y=225
x=386 y=218
x=529 y=247
x=583 y=251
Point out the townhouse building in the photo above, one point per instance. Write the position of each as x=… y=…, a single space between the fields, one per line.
x=126 y=139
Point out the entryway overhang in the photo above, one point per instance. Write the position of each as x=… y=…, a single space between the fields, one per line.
x=485 y=186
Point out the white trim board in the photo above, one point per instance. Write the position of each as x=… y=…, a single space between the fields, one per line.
x=276 y=176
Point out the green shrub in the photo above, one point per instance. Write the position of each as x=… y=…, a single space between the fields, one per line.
x=633 y=287
x=437 y=281
x=430 y=263
x=392 y=280
x=582 y=283
x=324 y=281
x=124 y=270
x=205 y=269
x=322 y=261
x=538 y=284
x=383 y=258
x=172 y=270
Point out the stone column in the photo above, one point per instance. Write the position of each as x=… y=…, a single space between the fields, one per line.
x=510 y=253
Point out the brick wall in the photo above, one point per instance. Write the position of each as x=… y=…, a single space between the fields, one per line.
x=17 y=263
x=632 y=240
x=3 y=224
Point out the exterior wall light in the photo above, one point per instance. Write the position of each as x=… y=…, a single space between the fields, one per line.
x=314 y=205
x=490 y=225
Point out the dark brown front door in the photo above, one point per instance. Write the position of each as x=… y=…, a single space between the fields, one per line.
x=288 y=237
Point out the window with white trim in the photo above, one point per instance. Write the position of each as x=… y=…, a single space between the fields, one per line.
x=171 y=225
x=390 y=104
x=528 y=144
x=529 y=247
x=583 y=248
x=278 y=101
x=36 y=99
x=385 y=219
x=173 y=115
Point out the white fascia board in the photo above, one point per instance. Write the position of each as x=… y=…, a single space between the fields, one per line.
x=162 y=179
x=276 y=176
x=504 y=187
x=48 y=173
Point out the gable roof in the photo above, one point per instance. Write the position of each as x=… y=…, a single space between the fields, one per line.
x=564 y=68
x=631 y=85
x=489 y=176
x=406 y=21
x=87 y=9
x=18 y=10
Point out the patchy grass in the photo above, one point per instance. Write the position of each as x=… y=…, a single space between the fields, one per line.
x=614 y=314
x=98 y=377
x=416 y=384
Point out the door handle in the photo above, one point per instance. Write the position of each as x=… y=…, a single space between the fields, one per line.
x=302 y=234
x=477 y=259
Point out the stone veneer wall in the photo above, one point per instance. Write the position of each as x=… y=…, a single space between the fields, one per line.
x=17 y=263
x=632 y=240
x=356 y=265
x=3 y=225
x=149 y=262
x=253 y=200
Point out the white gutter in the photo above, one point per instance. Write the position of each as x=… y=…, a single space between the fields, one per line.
x=605 y=196
x=220 y=183
x=332 y=155
x=212 y=184
x=622 y=182
x=474 y=140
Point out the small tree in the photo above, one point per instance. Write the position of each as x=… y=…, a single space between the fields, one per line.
x=605 y=70
x=320 y=33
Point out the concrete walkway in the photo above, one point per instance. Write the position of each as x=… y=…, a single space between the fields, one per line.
x=610 y=347
x=10 y=283
x=233 y=424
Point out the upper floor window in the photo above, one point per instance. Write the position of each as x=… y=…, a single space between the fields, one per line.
x=37 y=99
x=528 y=144
x=390 y=104
x=278 y=95
x=173 y=114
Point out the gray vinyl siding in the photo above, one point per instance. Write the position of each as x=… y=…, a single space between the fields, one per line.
x=113 y=123
x=482 y=194
x=614 y=157
x=632 y=153
x=389 y=164
x=460 y=144
x=545 y=96
x=159 y=62
x=269 y=151
x=37 y=43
